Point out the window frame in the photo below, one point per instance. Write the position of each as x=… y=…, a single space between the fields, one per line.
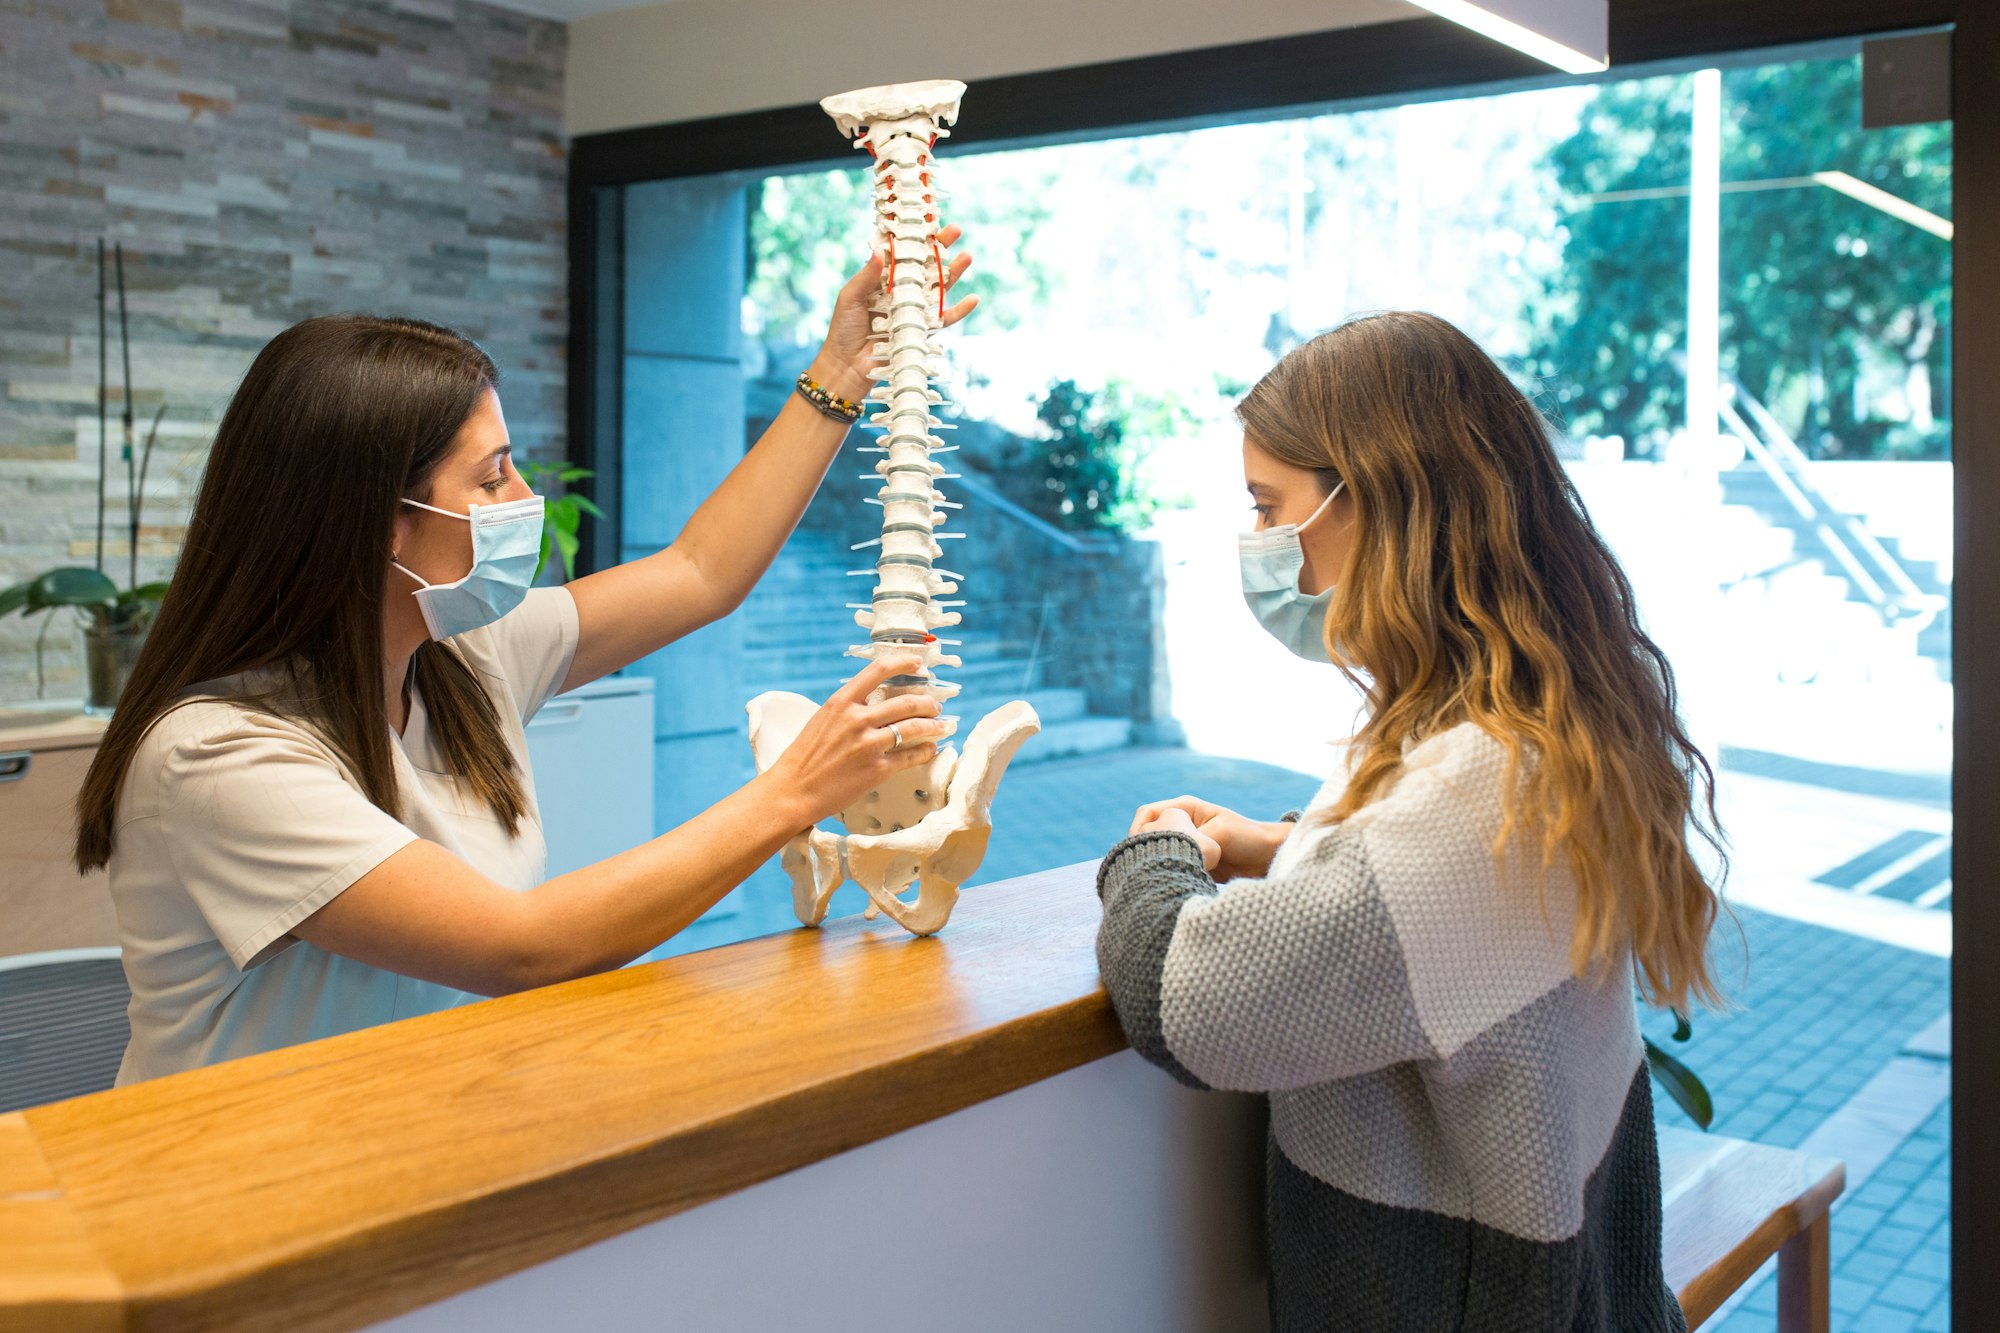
x=1427 y=59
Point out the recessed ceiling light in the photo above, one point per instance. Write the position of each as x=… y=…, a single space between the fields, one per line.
x=1569 y=34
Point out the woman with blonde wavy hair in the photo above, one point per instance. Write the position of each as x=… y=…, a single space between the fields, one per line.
x=1430 y=970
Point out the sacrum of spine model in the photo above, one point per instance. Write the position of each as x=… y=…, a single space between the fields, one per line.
x=927 y=826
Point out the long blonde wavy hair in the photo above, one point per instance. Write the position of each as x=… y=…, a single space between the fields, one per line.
x=1476 y=589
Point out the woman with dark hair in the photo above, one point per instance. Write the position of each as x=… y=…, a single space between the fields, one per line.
x=1430 y=971
x=313 y=800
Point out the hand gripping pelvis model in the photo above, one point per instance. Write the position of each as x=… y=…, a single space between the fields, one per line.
x=927 y=825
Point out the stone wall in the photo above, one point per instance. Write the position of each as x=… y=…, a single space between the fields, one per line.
x=261 y=161
x=1094 y=618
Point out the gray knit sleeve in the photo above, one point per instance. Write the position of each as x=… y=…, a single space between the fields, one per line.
x=1290 y=980
x=1144 y=882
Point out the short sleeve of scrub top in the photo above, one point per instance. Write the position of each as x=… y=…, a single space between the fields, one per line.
x=236 y=822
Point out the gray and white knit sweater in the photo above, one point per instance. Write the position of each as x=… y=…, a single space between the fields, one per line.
x=1461 y=1131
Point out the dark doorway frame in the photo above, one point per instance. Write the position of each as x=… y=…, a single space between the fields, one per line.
x=1419 y=59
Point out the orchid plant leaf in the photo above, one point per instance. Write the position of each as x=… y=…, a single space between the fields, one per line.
x=1682 y=1084
x=70 y=585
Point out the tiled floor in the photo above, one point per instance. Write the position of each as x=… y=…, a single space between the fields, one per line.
x=1818 y=1013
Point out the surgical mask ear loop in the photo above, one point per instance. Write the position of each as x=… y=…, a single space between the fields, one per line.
x=396 y=562
x=419 y=504
x=421 y=580
x=395 y=557
x=1338 y=487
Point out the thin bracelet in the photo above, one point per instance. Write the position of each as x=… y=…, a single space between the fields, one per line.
x=832 y=404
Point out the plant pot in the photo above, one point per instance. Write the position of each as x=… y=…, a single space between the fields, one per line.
x=108 y=654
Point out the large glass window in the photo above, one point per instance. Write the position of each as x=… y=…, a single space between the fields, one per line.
x=1792 y=555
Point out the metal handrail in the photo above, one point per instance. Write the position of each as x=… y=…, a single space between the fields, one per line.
x=1844 y=534
x=989 y=494
x=1795 y=459
x=1035 y=650
x=1808 y=508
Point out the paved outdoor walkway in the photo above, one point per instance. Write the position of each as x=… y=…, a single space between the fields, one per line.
x=1820 y=1015
x=1047 y=814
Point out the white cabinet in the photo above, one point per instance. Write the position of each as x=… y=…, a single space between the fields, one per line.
x=592 y=752
x=44 y=903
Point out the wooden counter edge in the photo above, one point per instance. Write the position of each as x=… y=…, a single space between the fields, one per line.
x=411 y=1259
x=417 y=1260
x=55 y=1276
x=55 y=1280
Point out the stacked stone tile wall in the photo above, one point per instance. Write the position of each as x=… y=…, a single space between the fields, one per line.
x=261 y=161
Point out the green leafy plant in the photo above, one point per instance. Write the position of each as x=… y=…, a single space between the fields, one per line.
x=1087 y=474
x=1819 y=287
x=564 y=514
x=1681 y=1083
x=108 y=608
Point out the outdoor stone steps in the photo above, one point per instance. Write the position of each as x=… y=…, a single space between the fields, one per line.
x=1059 y=704
x=1766 y=538
x=1834 y=632
x=1746 y=542
x=1926 y=573
x=1079 y=736
x=1068 y=728
x=796 y=626
x=1750 y=488
x=819 y=675
x=809 y=634
x=1053 y=704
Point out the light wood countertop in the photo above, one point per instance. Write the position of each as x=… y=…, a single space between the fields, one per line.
x=330 y=1185
x=333 y=1184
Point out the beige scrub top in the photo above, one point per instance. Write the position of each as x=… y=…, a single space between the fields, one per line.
x=235 y=824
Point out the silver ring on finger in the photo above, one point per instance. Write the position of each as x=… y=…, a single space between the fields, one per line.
x=897 y=743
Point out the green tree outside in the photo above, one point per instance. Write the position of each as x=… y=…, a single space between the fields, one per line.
x=1834 y=313
x=810 y=231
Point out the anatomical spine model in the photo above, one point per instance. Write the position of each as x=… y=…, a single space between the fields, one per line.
x=927 y=825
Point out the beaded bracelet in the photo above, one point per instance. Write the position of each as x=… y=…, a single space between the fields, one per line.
x=832 y=404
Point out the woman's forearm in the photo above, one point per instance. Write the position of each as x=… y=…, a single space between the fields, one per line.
x=605 y=915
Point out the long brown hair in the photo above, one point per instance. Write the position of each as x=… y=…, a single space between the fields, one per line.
x=1476 y=589
x=337 y=420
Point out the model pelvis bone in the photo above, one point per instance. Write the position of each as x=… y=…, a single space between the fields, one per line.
x=937 y=851
x=926 y=825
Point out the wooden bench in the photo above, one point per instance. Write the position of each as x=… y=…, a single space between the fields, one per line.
x=1730 y=1205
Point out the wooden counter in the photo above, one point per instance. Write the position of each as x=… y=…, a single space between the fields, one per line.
x=334 y=1184
x=349 y=1181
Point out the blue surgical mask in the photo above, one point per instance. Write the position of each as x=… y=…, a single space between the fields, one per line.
x=1271 y=561
x=506 y=547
